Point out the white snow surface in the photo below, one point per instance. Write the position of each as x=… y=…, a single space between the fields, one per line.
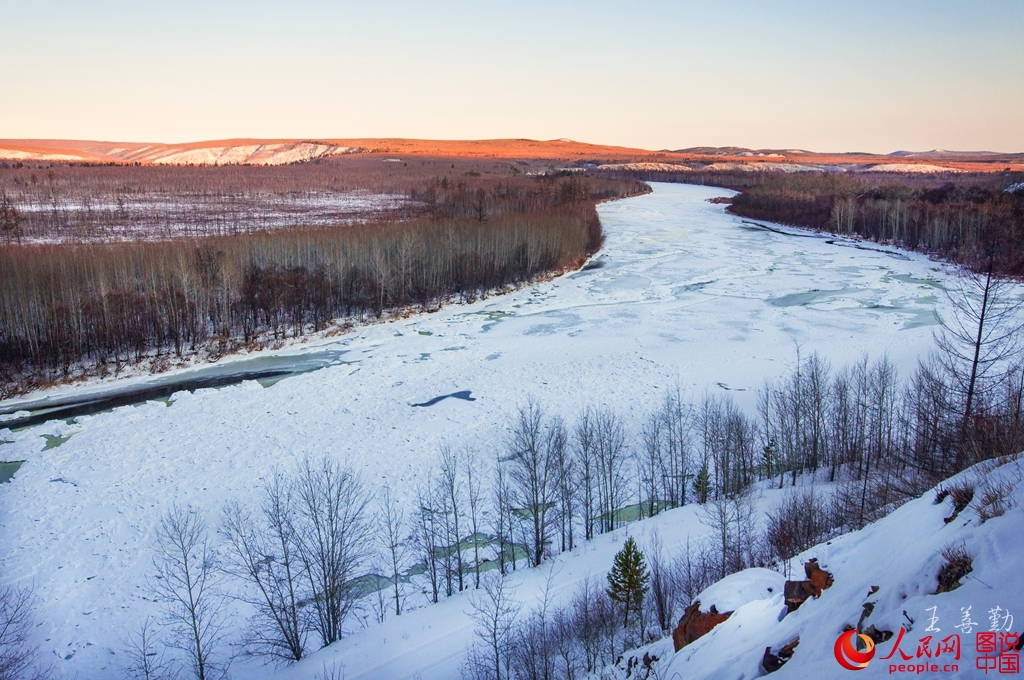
x=253 y=154
x=772 y=167
x=149 y=217
x=910 y=167
x=736 y=590
x=901 y=555
x=681 y=294
x=18 y=155
x=652 y=167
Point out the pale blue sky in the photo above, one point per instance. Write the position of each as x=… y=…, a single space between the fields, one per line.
x=826 y=76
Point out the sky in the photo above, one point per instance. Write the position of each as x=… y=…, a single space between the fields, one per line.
x=875 y=76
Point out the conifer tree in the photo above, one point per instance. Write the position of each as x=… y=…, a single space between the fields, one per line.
x=628 y=580
x=702 y=485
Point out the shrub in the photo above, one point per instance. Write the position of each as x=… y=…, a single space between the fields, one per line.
x=958 y=564
x=962 y=495
x=995 y=500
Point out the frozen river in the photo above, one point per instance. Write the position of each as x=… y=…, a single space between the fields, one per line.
x=681 y=294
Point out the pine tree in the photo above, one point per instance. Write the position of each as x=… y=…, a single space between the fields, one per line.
x=702 y=485
x=628 y=580
x=769 y=458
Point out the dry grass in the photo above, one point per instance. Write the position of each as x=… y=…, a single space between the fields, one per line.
x=958 y=564
x=995 y=500
x=961 y=494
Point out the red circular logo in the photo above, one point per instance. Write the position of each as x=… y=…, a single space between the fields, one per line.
x=848 y=655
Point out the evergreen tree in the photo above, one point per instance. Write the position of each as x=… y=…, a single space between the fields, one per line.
x=628 y=580
x=702 y=485
x=769 y=459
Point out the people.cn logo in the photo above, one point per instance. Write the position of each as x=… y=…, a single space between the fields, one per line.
x=848 y=656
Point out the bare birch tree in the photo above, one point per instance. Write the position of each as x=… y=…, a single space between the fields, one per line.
x=474 y=501
x=494 y=612
x=263 y=554
x=18 y=655
x=146 y=661
x=332 y=535
x=451 y=491
x=650 y=461
x=565 y=480
x=426 y=535
x=532 y=472
x=501 y=502
x=677 y=418
x=611 y=453
x=391 y=532
x=188 y=585
x=585 y=454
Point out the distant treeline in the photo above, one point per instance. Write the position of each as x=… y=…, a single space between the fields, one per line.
x=96 y=203
x=65 y=307
x=966 y=219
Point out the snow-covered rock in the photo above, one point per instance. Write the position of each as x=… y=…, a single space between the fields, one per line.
x=736 y=590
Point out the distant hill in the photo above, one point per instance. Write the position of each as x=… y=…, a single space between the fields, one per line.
x=283 y=151
x=942 y=153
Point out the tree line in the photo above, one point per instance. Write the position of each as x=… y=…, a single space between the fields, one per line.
x=69 y=204
x=969 y=219
x=596 y=627
x=68 y=309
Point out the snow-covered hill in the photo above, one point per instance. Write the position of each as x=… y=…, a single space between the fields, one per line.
x=430 y=641
x=232 y=152
x=251 y=154
x=901 y=556
x=893 y=564
x=920 y=168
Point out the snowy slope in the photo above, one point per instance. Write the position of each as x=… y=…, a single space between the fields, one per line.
x=911 y=167
x=202 y=153
x=648 y=167
x=771 y=167
x=430 y=643
x=20 y=155
x=251 y=154
x=901 y=555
